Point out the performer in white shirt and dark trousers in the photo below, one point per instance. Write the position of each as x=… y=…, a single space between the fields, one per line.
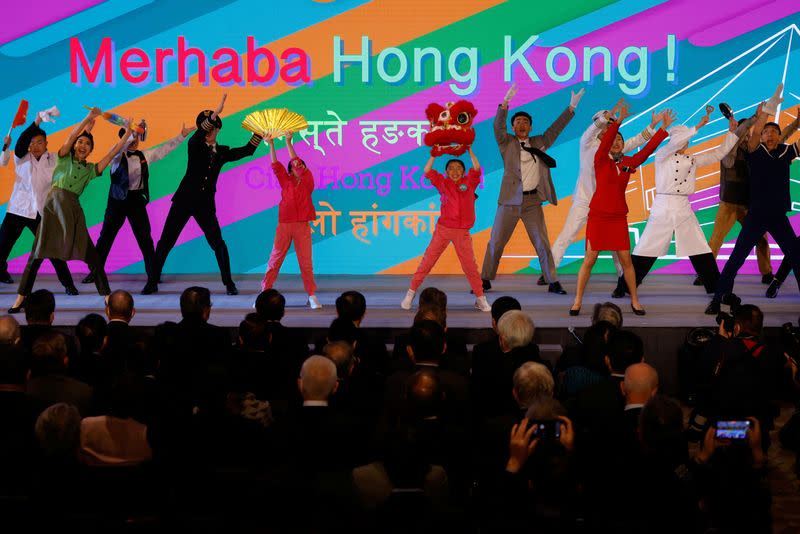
x=671 y=214
x=585 y=186
x=526 y=185
x=129 y=194
x=33 y=178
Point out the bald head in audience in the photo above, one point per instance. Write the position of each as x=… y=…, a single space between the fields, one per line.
x=10 y=333
x=317 y=379
x=424 y=394
x=640 y=383
x=120 y=306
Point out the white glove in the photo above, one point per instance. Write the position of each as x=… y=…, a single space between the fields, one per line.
x=574 y=97
x=511 y=92
x=771 y=105
x=48 y=115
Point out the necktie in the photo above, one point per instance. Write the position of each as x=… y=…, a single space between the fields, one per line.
x=547 y=160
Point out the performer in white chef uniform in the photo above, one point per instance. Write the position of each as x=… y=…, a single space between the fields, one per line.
x=671 y=212
x=585 y=186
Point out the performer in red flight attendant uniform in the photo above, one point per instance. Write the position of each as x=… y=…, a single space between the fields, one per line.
x=457 y=191
x=607 y=226
x=294 y=213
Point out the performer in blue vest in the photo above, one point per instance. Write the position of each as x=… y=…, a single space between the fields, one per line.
x=129 y=194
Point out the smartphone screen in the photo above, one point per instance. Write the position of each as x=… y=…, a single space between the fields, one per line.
x=732 y=429
x=546 y=429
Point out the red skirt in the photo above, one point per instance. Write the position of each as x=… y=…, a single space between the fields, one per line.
x=607 y=232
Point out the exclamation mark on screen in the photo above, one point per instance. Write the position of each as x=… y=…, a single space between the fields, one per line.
x=671 y=57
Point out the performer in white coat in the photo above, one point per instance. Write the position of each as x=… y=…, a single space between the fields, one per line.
x=671 y=212
x=585 y=186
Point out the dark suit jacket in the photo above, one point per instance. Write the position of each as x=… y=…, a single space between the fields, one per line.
x=455 y=387
x=44 y=391
x=493 y=375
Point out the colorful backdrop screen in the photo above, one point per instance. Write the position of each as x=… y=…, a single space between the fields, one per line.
x=362 y=73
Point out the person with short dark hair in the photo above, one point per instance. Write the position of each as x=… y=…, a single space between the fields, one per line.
x=433 y=296
x=271 y=305
x=526 y=185
x=458 y=196
x=62 y=233
x=769 y=162
x=195 y=196
x=33 y=179
x=295 y=212
x=91 y=333
x=49 y=382
x=129 y=193
x=351 y=305
x=342 y=330
x=196 y=303
x=40 y=307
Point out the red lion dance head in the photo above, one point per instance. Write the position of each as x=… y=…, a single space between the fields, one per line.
x=451 y=128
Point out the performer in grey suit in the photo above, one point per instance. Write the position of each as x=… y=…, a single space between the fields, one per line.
x=526 y=185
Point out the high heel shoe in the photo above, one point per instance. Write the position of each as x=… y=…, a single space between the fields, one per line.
x=17 y=309
x=639 y=311
x=573 y=312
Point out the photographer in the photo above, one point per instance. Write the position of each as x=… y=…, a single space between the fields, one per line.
x=741 y=372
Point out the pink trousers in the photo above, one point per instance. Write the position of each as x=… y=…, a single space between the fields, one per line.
x=300 y=233
x=462 y=241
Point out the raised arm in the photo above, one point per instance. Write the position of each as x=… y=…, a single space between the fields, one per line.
x=475 y=163
x=290 y=145
x=641 y=156
x=73 y=135
x=115 y=160
x=5 y=156
x=273 y=155
x=730 y=141
x=161 y=151
x=642 y=137
x=755 y=137
x=606 y=142
x=551 y=134
x=116 y=149
x=429 y=165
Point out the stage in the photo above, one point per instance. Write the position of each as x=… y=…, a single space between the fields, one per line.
x=671 y=300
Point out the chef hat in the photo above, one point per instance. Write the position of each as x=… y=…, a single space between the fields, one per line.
x=680 y=134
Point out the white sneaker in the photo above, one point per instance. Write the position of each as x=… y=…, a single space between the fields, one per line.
x=482 y=304
x=408 y=299
x=313 y=302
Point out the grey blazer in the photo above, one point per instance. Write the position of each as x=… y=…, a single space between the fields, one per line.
x=511 y=188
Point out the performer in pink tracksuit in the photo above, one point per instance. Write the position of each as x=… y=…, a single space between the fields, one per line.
x=294 y=213
x=457 y=191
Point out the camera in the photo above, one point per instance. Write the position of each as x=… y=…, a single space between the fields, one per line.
x=728 y=306
x=790 y=340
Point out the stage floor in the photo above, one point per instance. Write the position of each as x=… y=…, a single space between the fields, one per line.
x=671 y=301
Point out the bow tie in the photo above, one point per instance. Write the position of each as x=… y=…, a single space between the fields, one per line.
x=547 y=160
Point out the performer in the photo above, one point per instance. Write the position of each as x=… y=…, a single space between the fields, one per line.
x=607 y=226
x=457 y=217
x=769 y=162
x=33 y=176
x=129 y=194
x=733 y=191
x=526 y=185
x=195 y=196
x=295 y=211
x=785 y=267
x=62 y=233
x=671 y=214
x=585 y=186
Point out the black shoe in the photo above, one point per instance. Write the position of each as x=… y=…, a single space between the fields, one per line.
x=17 y=309
x=541 y=281
x=5 y=278
x=772 y=290
x=487 y=285
x=71 y=290
x=618 y=292
x=556 y=288
x=638 y=311
x=574 y=312
x=698 y=281
x=89 y=279
x=150 y=288
x=713 y=307
x=767 y=279
x=231 y=289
